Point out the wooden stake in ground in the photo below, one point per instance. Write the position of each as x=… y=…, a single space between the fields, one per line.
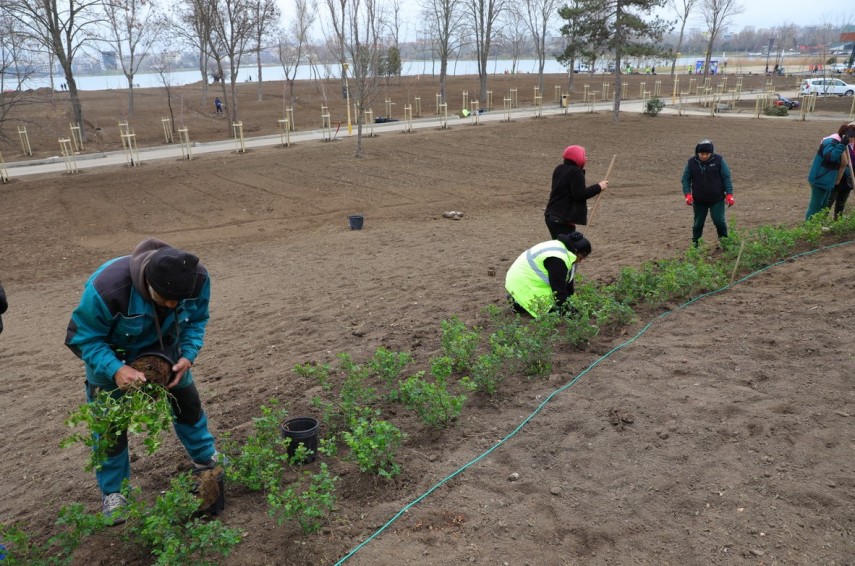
x=597 y=202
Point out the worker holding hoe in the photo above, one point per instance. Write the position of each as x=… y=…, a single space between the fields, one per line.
x=542 y=277
x=567 y=206
x=155 y=298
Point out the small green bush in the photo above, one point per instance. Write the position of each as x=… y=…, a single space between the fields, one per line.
x=373 y=445
x=773 y=110
x=653 y=106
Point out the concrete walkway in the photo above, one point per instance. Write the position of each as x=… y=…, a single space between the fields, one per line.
x=176 y=151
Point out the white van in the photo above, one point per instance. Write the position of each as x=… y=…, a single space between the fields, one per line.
x=826 y=87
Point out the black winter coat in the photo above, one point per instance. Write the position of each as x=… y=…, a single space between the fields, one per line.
x=567 y=200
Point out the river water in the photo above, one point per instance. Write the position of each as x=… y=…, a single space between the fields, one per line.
x=275 y=73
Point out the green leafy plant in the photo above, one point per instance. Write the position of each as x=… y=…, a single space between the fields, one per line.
x=172 y=532
x=459 y=343
x=653 y=106
x=527 y=345
x=145 y=410
x=258 y=462
x=309 y=501
x=75 y=524
x=388 y=365
x=373 y=444
x=435 y=405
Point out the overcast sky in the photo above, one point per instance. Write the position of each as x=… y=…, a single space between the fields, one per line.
x=770 y=13
x=758 y=13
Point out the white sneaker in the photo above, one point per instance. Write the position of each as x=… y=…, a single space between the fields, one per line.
x=217 y=459
x=113 y=506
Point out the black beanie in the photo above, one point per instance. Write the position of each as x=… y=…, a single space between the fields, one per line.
x=576 y=243
x=172 y=273
x=704 y=146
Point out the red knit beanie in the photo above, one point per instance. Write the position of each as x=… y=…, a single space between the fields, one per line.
x=576 y=154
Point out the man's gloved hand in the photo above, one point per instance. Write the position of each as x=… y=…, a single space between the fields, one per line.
x=844 y=139
x=728 y=200
x=690 y=200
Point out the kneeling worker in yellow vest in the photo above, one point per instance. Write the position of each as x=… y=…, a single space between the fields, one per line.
x=541 y=278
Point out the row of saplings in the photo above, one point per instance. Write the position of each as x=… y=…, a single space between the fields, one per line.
x=178 y=527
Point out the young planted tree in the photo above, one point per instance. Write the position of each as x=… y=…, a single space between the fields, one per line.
x=192 y=21
x=16 y=65
x=163 y=64
x=63 y=28
x=717 y=15
x=265 y=21
x=233 y=25
x=514 y=36
x=443 y=20
x=620 y=25
x=294 y=44
x=359 y=27
x=133 y=27
x=683 y=8
x=538 y=16
x=484 y=16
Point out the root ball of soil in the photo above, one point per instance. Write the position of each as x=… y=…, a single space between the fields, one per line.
x=208 y=486
x=156 y=369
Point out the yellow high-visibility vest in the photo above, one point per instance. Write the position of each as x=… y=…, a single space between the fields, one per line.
x=527 y=280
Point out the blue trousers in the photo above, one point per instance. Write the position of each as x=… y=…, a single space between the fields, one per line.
x=188 y=420
x=818 y=201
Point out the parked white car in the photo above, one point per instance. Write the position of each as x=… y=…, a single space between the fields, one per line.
x=827 y=86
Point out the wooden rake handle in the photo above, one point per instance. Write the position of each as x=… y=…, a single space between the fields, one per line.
x=597 y=202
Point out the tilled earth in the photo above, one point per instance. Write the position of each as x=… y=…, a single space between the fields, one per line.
x=723 y=433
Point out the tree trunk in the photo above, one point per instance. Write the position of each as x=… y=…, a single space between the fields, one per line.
x=130 y=94
x=76 y=108
x=260 y=91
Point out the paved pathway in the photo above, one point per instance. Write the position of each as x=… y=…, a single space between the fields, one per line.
x=175 y=151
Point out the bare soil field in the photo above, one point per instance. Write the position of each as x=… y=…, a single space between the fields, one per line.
x=721 y=434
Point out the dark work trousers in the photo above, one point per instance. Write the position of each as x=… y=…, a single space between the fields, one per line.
x=838 y=197
x=556 y=226
x=716 y=212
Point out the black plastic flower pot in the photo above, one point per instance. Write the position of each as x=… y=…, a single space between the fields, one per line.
x=302 y=430
x=356 y=221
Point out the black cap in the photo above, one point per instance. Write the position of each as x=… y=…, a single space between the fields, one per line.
x=704 y=146
x=172 y=273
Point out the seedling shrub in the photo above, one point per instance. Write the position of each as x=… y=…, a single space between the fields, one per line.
x=145 y=410
x=75 y=524
x=459 y=343
x=170 y=531
x=262 y=462
x=373 y=445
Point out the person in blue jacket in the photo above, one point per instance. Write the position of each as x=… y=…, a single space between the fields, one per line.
x=829 y=167
x=155 y=298
x=707 y=188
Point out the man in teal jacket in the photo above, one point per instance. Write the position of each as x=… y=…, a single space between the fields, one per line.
x=155 y=298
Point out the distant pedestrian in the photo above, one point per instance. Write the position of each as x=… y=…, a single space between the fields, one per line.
x=218 y=104
x=708 y=189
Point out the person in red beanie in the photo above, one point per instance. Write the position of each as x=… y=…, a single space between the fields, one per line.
x=567 y=206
